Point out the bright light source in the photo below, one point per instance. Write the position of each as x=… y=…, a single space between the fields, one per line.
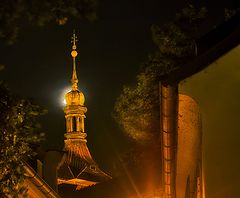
x=62 y=96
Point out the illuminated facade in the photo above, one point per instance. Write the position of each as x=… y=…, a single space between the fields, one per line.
x=77 y=166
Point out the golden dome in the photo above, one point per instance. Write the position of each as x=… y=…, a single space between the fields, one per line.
x=75 y=97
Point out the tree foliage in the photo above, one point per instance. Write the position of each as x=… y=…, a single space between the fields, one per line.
x=137 y=107
x=19 y=129
x=41 y=12
x=175 y=41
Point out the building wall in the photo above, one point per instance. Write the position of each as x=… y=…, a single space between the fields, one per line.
x=217 y=91
x=189 y=147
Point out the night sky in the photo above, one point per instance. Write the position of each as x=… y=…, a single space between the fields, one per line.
x=111 y=50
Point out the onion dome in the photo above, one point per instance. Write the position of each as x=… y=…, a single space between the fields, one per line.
x=75 y=97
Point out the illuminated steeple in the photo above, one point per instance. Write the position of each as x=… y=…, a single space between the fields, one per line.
x=77 y=166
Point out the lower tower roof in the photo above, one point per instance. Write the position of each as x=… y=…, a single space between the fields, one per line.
x=78 y=167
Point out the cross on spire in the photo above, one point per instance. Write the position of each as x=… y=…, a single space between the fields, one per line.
x=74 y=40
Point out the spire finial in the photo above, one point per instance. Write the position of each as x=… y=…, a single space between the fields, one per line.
x=74 y=54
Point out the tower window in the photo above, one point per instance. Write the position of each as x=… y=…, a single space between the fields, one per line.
x=74 y=124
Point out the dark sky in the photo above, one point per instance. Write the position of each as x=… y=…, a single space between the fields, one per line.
x=111 y=49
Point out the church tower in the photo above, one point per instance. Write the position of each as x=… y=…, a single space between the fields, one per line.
x=77 y=166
